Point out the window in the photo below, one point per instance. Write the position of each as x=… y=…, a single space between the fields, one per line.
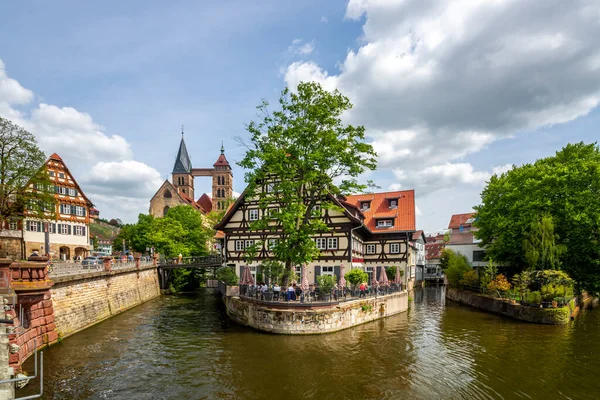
x=332 y=243
x=61 y=175
x=12 y=225
x=298 y=271
x=51 y=173
x=239 y=245
x=65 y=209
x=369 y=271
x=63 y=229
x=478 y=255
x=384 y=223
x=364 y=205
x=395 y=248
x=326 y=270
x=80 y=231
x=80 y=211
x=253 y=215
x=393 y=203
x=165 y=211
x=51 y=228
x=370 y=249
x=72 y=192
x=248 y=243
x=321 y=243
x=272 y=243
x=270 y=188
x=167 y=194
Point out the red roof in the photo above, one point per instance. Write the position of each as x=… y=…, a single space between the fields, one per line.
x=221 y=161
x=434 y=250
x=205 y=202
x=191 y=202
x=417 y=234
x=403 y=215
x=220 y=235
x=460 y=219
x=55 y=156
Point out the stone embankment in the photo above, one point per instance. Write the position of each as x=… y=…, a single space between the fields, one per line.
x=549 y=316
x=308 y=320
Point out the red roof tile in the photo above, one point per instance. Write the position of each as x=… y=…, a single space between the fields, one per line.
x=191 y=202
x=403 y=215
x=434 y=250
x=460 y=219
x=221 y=161
x=205 y=202
x=417 y=234
x=55 y=156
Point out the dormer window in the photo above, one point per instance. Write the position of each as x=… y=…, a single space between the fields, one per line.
x=365 y=205
x=384 y=223
x=393 y=203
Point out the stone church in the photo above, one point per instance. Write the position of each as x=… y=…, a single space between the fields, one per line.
x=181 y=189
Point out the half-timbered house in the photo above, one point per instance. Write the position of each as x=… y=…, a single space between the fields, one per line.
x=365 y=231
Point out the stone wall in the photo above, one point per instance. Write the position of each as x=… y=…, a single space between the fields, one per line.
x=84 y=300
x=10 y=246
x=550 y=316
x=306 y=320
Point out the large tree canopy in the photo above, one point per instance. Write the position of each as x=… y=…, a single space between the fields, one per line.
x=563 y=190
x=24 y=182
x=295 y=155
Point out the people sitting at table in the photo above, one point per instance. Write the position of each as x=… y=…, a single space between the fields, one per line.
x=291 y=293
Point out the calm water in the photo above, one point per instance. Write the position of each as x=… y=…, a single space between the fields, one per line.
x=184 y=347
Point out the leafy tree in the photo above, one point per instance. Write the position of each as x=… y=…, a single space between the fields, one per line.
x=565 y=187
x=24 y=182
x=356 y=276
x=458 y=266
x=447 y=254
x=499 y=283
x=294 y=157
x=196 y=235
x=228 y=276
x=135 y=235
x=391 y=272
x=541 y=250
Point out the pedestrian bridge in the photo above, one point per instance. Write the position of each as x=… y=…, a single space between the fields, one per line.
x=166 y=266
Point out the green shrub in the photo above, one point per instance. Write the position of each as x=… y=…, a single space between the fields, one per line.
x=469 y=278
x=356 y=276
x=534 y=298
x=457 y=267
x=326 y=283
x=228 y=276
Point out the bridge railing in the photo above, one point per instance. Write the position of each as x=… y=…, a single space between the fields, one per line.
x=203 y=260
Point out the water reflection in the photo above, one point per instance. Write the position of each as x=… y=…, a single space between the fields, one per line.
x=184 y=347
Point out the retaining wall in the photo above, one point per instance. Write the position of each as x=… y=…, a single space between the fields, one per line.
x=84 y=300
x=307 y=320
x=550 y=316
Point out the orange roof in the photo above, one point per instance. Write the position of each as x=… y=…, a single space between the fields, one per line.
x=221 y=161
x=220 y=235
x=191 y=202
x=417 y=234
x=460 y=219
x=403 y=215
x=55 y=156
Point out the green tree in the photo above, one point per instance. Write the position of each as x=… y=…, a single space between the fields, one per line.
x=565 y=187
x=541 y=250
x=294 y=157
x=458 y=266
x=447 y=254
x=24 y=181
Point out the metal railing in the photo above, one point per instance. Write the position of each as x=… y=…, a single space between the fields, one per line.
x=314 y=296
x=213 y=259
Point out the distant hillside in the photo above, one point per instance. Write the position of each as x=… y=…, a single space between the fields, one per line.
x=102 y=230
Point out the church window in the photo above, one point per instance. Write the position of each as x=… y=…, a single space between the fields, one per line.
x=167 y=194
x=165 y=211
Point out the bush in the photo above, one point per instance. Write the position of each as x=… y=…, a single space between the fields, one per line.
x=469 y=278
x=457 y=267
x=500 y=283
x=228 y=276
x=534 y=298
x=391 y=272
x=356 y=276
x=326 y=283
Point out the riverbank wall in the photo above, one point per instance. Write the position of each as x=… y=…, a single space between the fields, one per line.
x=81 y=301
x=549 y=316
x=305 y=319
x=65 y=305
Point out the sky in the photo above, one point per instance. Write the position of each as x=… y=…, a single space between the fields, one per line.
x=449 y=92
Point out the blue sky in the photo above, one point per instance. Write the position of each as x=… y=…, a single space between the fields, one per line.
x=449 y=94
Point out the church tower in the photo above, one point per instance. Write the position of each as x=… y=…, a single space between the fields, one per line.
x=183 y=180
x=222 y=187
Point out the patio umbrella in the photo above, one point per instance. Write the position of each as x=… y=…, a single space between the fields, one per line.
x=398 y=277
x=342 y=284
x=304 y=281
x=383 y=279
x=374 y=282
x=247 y=278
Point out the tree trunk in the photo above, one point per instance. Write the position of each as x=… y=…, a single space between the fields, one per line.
x=286 y=275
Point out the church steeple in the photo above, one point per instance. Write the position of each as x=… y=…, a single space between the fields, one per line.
x=183 y=164
x=182 y=171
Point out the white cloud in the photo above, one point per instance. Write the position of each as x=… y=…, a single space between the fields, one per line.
x=437 y=81
x=324 y=19
x=122 y=186
x=298 y=47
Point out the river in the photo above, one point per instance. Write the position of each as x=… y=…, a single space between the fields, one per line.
x=184 y=347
